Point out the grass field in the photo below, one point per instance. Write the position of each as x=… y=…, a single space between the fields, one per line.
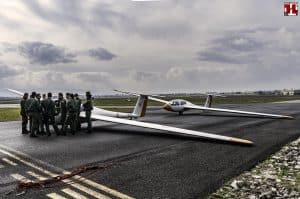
x=12 y=114
x=9 y=114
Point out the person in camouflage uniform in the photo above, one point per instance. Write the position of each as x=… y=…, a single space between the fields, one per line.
x=88 y=107
x=71 y=114
x=40 y=115
x=42 y=125
x=32 y=110
x=49 y=114
x=23 y=114
x=27 y=103
x=78 y=106
x=63 y=111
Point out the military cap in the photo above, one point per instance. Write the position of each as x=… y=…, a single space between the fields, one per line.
x=88 y=93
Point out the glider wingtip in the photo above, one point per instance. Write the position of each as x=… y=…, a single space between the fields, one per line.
x=287 y=117
x=241 y=141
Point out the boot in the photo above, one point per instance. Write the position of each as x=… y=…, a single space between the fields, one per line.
x=33 y=136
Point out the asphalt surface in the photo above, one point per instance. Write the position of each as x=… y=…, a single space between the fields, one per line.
x=145 y=163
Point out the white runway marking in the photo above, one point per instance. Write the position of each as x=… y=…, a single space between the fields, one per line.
x=9 y=162
x=74 y=194
x=102 y=187
x=86 y=190
x=55 y=196
x=37 y=176
x=20 y=177
x=68 y=181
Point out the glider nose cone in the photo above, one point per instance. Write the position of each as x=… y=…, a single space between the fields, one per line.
x=167 y=107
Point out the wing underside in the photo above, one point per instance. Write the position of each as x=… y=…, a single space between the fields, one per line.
x=169 y=129
x=238 y=112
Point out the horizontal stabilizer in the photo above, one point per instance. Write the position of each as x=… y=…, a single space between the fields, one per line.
x=15 y=92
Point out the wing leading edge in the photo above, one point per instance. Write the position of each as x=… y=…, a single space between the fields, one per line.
x=238 y=112
x=169 y=129
x=138 y=94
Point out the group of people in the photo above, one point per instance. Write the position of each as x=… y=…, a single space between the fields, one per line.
x=41 y=111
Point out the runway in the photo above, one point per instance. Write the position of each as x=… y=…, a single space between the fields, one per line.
x=146 y=163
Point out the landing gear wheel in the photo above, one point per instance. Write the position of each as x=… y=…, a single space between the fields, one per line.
x=180 y=113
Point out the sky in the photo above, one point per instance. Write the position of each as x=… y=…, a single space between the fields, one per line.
x=162 y=46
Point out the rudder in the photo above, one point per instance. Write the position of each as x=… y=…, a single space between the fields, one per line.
x=208 y=101
x=140 y=106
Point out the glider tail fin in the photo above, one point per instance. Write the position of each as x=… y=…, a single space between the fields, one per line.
x=140 y=106
x=208 y=101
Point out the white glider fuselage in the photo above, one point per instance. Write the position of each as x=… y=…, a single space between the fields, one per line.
x=177 y=105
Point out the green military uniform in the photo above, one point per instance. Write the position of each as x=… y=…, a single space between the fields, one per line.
x=43 y=105
x=78 y=106
x=24 y=116
x=32 y=109
x=40 y=117
x=27 y=104
x=88 y=107
x=49 y=116
x=63 y=114
x=71 y=116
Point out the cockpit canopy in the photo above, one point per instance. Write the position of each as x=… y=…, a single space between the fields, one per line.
x=178 y=102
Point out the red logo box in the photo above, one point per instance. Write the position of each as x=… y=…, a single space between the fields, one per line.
x=291 y=9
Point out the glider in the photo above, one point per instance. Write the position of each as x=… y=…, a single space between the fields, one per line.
x=180 y=106
x=140 y=110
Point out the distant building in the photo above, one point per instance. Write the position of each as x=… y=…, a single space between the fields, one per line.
x=287 y=92
x=297 y=92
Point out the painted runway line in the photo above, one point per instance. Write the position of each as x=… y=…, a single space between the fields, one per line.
x=76 y=185
x=9 y=162
x=55 y=196
x=73 y=194
x=20 y=177
x=37 y=176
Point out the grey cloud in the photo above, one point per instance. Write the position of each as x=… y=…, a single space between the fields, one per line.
x=45 y=53
x=234 y=47
x=144 y=76
x=93 y=76
x=215 y=55
x=8 y=47
x=66 y=12
x=239 y=43
x=96 y=80
x=127 y=20
x=6 y=71
x=101 y=54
